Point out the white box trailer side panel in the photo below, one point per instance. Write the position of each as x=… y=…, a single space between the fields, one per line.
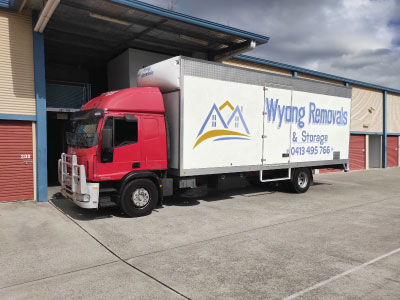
x=276 y=134
x=316 y=127
x=209 y=136
x=323 y=134
x=222 y=123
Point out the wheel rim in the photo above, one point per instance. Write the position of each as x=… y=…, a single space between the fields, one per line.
x=140 y=197
x=302 y=180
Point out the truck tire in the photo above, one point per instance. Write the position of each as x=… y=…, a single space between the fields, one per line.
x=139 y=198
x=301 y=180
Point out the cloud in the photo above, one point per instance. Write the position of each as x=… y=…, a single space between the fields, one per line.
x=357 y=39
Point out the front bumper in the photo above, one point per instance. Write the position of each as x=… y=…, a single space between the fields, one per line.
x=72 y=178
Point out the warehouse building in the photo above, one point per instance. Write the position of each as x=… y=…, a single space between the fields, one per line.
x=56 y=55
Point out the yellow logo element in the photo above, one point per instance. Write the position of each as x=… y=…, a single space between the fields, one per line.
x=215 y=119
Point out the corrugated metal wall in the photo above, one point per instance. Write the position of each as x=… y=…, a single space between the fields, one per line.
x=5 y=3
x=67 y=96
x=316 y=78
x=393 y=113
x=17 y=91
x=366 y=110
x=255 y=66
x=16 y=161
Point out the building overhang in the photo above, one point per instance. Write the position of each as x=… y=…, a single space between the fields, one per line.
x=93 y=31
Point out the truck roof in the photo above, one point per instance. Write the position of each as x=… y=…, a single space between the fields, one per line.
x=142 y=99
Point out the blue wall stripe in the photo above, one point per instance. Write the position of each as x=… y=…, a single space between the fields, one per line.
x=17 y=117
x=384 y=136
x=41 y=134
x=366 y=132
x=375 y=133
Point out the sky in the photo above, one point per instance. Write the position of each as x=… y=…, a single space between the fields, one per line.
x=357 y=39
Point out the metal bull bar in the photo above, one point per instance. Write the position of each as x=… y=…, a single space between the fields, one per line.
x=72 y=178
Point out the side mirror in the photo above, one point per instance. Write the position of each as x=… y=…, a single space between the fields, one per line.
x=107 y=140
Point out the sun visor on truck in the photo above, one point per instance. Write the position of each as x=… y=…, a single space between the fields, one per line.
x=86 y=114
x=164 y=75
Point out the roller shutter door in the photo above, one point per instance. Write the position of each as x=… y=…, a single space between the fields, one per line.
x=392 y=151
x=357 y=152
x=16 y=161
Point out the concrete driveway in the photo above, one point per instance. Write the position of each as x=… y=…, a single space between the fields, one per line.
x=340 y=240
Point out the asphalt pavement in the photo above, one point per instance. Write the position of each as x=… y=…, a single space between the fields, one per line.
x=340 y=240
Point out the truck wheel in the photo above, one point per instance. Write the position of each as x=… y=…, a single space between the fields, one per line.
x=301 y=180
x=139 y=198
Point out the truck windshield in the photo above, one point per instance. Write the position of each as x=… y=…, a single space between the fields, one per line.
x=83 y=133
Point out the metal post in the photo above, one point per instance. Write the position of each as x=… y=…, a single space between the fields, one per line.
x=40 y=93
x=384 y=135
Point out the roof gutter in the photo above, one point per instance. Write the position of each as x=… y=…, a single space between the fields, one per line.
x=45 y=15
x=231 y=52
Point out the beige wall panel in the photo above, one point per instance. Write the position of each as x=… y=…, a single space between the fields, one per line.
x=366 y=109
x=255 y=66
x=316 y=78
x=393 y=113
x=17 y=90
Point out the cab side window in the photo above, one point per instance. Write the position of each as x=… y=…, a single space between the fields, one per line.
x=107 y=142
x=125 y=132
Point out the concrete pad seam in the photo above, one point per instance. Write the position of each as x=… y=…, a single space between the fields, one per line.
x=118 y=257
x=390 y=279
x=345 y=273
x=262 y=227
x=60 y=274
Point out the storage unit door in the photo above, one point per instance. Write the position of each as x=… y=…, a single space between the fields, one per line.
x=16 y=161
x=357 y=152
x=392 y=151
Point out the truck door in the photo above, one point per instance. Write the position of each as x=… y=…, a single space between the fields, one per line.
x=124 y=155
x=153 y=142
x=277 y=121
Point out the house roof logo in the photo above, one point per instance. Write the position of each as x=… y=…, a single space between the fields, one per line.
x=216 y=127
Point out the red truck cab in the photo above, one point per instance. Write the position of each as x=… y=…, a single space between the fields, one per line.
x=117 y=145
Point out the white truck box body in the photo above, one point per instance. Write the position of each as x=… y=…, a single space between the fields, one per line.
x=224 y=119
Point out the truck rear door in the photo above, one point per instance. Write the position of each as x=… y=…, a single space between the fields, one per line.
x=278 y=114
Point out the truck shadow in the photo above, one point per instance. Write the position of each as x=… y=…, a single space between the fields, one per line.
x=231 y=192
x=226 y=194
x=68 y=208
